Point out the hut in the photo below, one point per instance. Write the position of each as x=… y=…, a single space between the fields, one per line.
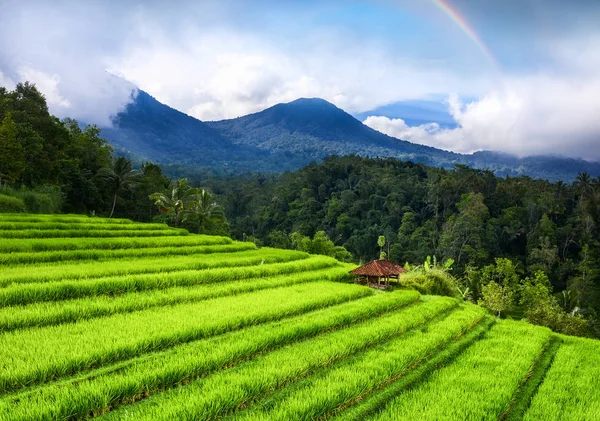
x=376 y=272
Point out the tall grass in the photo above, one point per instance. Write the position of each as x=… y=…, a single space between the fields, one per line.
x=70 y=218
x=114 y=286
x=45 y=199
x=23 y=258
x=228 y=390
x=150 y=264
x=56 y=312
x=100 y=233
x=327 y=392
x=571 y=388
x=101 y=390
x=37 y=355
x=44 y=226
x=480 y=383
x=371 y=401
x=64 y=244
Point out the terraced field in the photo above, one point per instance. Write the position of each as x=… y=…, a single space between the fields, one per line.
x=112 y=319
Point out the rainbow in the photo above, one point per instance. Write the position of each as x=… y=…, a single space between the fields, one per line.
x=462 y=23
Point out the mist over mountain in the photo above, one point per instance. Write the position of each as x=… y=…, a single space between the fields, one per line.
x=290 y=135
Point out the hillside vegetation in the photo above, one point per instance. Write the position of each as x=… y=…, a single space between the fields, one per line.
x=112 y=319
x=289 y=136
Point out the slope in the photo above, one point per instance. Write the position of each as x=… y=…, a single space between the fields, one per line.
x=260 y=334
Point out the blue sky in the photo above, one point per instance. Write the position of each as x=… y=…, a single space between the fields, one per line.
x=222 y=59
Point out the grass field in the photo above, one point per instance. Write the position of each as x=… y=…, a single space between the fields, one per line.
x=111 y=319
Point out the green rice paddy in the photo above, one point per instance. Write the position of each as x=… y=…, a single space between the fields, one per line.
x=112 y=319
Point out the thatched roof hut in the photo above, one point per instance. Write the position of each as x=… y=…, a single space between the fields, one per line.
x=374 y=272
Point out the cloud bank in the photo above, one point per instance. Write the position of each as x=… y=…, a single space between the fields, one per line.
x=526 y=115
x=221 y=59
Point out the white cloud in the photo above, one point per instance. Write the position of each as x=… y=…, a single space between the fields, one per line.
x=48 y=84
x=233 y=67
x=525 y=115
x=6 y=81
x=225 y=74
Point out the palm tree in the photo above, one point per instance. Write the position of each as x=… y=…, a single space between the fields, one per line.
x=583 y=183
x=177 y=199
x=121 y=176
x=205 y=209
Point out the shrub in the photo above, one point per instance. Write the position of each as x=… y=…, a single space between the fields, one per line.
x=45 y=199
x=9 y=204
x=433 y=282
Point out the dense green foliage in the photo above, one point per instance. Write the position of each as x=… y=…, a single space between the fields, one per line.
x=467 y=215
x=50 y=166
x=140 y=330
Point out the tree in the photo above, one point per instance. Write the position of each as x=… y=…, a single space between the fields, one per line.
x=120 y=176
x=12 y=158
x=320 y=244
x=543 y=309
x=176 y=201
x=463 y=234
x=497 y=298
x=381 y=243
x=193 y=208
x=203 y=210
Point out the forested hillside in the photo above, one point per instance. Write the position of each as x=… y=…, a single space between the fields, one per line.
x=530 y=243
x=467 y=215
x=289 y=136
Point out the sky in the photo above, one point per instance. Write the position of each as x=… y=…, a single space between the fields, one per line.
x=516 y=76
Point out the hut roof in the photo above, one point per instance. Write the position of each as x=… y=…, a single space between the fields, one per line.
x=379 y=268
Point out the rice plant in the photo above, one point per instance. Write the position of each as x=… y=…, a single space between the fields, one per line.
x=65 y=244
x=228 y=390
x=32 y=356
x=480 y=383
x=57 y=271
x=101 y=390
x=325 y=393
x=22 y=294
x=56 y=312
x=106 y=255
x=571 y=387
x=66 y=226
x=100 y=233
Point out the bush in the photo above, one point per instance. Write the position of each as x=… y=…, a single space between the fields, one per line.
x=46 y=199
x=433 y=282
x=9 y=204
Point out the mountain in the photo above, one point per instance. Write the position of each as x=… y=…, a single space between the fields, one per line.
x=289 y=136
x=150 y=130
x=314 y=128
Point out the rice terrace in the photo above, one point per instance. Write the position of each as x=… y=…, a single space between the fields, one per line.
x=111 y=319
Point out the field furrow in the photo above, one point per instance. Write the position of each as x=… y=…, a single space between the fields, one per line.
x=226 y=391
x=57 y=312
x=23 y=259
x=23 y=294
x=102 y=390
x=522 y=398
x=372 y=401
x=100 y=233
x=85 y=270
x=66 y=244
x=571 y=388
x=325 y=393
x=480 y=383
x=38 y=355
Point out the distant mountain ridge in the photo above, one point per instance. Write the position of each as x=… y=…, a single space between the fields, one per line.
x=290 y=135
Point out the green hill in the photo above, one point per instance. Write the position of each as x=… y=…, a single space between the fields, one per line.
x=113 y=319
